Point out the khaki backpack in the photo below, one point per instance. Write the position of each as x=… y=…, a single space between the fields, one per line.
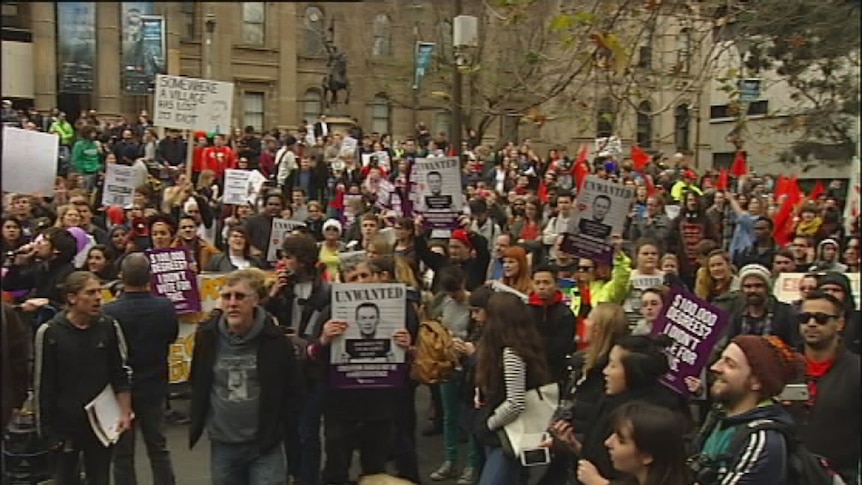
x=434 y=359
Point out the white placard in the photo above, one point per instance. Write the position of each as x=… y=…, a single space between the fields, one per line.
x=29 y=161
x=237 y=188
x=382 y=159
x=255 y=182
x=438 y=191
x=187 y=103
x=119 y=185
x=602 y=207
x=611 y=147
x=373 y=312
x=348 y=146
x=281 y=229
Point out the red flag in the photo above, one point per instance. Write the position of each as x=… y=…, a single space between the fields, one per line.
x=581 y=169
x=639 y=158
x=722 y=180
x=818 y=190
x=793 y=197
x=780 y=187
x=740 y=165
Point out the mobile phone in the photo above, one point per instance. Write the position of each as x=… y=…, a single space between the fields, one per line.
x=794 y=392
x=535 y=456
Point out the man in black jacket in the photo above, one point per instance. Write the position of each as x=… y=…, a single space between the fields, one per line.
x=150 y=326
x=245 y=382
x=42 y=268
x=466 y=249
x=554 y=319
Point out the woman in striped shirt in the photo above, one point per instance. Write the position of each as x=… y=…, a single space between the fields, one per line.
x=511 y=361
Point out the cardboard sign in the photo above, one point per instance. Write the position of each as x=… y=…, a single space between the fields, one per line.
x=438 y=197
x=186 y=103
x=237 y=188
x=119 y=185
x=786 y=287
x=29 y=161
x=281 y=229
x=174 y=279
x=602 y=207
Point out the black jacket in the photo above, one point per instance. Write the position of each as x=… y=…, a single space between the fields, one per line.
x=475 y=268
x=281 y=389
x=150 y=325
x=43 y=278
x=72 y=366
x=556 y=324
x=220 y=263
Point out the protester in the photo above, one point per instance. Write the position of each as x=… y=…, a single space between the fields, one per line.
x=150 y=326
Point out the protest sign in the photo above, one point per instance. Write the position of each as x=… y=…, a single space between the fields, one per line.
x=29 y=161
x=255 y=184
x=382 y=159
x=119 y=185
x=174 y=279
x=237 y=188
x=602 y=207
x=786 y=286
x=348 y=146
x=638 y=283
x=438 y=191
x=365 y=356
x=610 y=146
x=695 y=327
x=186 y=103
x=281 y=229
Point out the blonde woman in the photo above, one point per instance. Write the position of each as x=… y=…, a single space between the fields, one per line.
x=67 y=216
x=605 y=325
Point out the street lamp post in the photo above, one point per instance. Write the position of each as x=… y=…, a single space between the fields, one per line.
x=210 y=24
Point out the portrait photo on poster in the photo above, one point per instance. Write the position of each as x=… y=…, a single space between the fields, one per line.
x=373 y=314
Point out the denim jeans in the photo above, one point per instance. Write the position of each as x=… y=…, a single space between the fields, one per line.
x=244 y=464
x=450 y=393
x=499 y=469
x=150 y=419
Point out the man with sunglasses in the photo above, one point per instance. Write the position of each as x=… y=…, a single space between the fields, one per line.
x=829 y=421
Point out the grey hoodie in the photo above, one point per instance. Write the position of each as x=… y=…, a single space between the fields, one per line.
x=834 y=265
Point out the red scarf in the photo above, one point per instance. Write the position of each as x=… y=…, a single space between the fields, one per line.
x=814 y=371
x=536 y=301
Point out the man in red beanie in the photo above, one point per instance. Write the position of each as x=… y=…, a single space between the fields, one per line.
x=752 y=370
x=467 y=249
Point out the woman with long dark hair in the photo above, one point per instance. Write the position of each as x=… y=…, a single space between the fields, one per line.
x=13 y=235
x=511 y=361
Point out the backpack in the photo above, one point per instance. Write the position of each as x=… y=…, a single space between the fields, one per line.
x=434 y=359
x=803 y=466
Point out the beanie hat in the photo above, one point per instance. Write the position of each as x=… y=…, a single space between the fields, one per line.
x=461 y=235
x=332 y=223
x=758 y=271
x=773 y=363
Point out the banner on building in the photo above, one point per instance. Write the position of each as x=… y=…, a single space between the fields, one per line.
x=76 y=47
x=602 y=207
x=424 y=51
x=695 y=326
x=366 y=356
x=438 y=191
x=133 y=57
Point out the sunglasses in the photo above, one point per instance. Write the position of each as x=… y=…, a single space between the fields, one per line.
x=820 y=318
x=233 y=295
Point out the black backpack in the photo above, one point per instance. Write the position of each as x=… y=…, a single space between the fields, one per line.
x=803 y=466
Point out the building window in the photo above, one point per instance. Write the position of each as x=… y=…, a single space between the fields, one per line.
x=725 y=111
x=253 y=14
x=443 y=123
x=683 y=50
x=605 y=118
x=644 y=122
x=382 y=43
x=253 y=109
x=380 y=114
x=311 y=105
x=645 y=50
x=681 y=123
x=509 y=125
x=188 y=11
x=314 y=32
x=444 y=39
x=722 y=160
x=15 y=15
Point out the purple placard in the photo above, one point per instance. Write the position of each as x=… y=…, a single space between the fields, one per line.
x=587 y=247
x=367 y=376
x=695 y=327
x=174 y=279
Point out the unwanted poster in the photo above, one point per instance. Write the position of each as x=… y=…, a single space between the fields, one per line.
x=638 y=283
x=174 y=279
x=366 y=356
x=29 y=161
x=602 y=207
x=381 y=157
x=76 y=46
x=133 y=60
x=281 y=229
x=348 y=146
x=695 y=327
x=186 y=103
x=237 y=188
x=438 y=191
x=119 y=185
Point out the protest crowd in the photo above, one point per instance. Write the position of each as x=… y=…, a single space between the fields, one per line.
x=693 y=326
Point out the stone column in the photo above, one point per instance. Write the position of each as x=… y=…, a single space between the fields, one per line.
x=108 y=72
x=44 y=21
x=287 y=88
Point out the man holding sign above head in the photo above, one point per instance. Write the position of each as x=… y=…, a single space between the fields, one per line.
x=468 y=250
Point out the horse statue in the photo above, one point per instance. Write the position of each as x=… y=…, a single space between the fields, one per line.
x=336 y=80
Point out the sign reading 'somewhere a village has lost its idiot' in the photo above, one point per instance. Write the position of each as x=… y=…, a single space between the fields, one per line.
x=186 y=103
